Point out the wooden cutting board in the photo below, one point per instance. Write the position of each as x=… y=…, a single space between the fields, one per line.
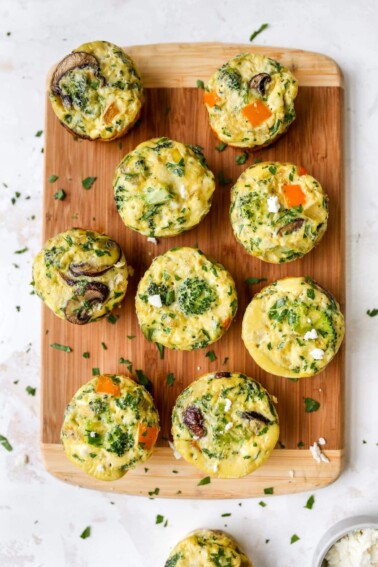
x=174 y=108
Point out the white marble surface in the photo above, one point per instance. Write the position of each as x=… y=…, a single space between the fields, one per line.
x=41 y=519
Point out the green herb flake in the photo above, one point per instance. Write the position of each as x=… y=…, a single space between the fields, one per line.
x=39 y=133
x=269 y=490
x=104 y=346
x=211 y=355
x=241 y=159
x=170 y=379
x=203 y=481
x=130 y=337
x=128 y=363
x=111 y=318
x=161 y=350
x=95 y=371
x=88 y=182
x=223 y=180
x=142 y=379
x=262 y=504
x=60 y=195
x=86 y=533
x=294 y=538
x=5 y=443
x=159 y=519
x=311 y=405
x=311 y=293
x=86 y=355
x=300 y=444
x=226 y=515
x=61 y=347
x=21 y=251
x=53 y=178
x=372 y=312
x=31 y=391
x=222 y=146
x=310 y=502
x=258 y=31
x=153 y=492
x=200 y=84
x=254 y=281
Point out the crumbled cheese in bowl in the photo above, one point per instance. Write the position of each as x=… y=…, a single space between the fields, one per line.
x=356 y=549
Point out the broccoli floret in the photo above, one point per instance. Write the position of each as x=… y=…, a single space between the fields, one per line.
x=119 y=441
x=195 y=296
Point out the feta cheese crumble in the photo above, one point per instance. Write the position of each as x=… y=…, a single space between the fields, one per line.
x=152 y=239
x=318 y=454
x=100 y=468
x=155 y=300
x=228 y=426
x=321 y=441
x=273 y=204
x=227 y=404
x=311 y=335
x=359 y=547
x=317 y=354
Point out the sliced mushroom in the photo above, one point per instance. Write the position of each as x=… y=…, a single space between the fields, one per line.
x=67 y=279
x=255 y=415
x=93 y=270
x=77 y=310
x=223 y=375
x=259 y=82
x=193 y=419
x=76 y=60
x=291 y=227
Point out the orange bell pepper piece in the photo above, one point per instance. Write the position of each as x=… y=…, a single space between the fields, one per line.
x=210 y=98
x=294 y=195
x=147 y=435
x=302 y=170
x=256 y=112
x=105 y=385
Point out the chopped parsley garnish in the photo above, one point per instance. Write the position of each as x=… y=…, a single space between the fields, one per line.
x=86 y=355
x=372 y=312
x=39 y=133
x=203 y=481
x=253 y=281
x=161 y=350
x=262 y=504
x=170 y=379
x=5 y=443
x=53 y=178
x=88 y=182
x=60 y=195
x=311 y=405
x=95 y=371
x=142 y=379
x=269 y=490
x=311 y=293
x=61 y=347
x=21 y=251
x=86 y=533
x=310 y=503
x=223 y=180
x=159 y=519
x=242 y=158
x=153 y=492
x=31 y=391
x=226 y=515
x=130 y=337
x=300 y=444
x=222 y=146
x=128 y=363
x=200 y=84
x=258 y=31
x=111 y=318
x=104 y=346
x=211 y=355
x=294 y=538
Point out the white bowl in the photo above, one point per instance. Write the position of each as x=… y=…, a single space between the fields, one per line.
x=338 y=531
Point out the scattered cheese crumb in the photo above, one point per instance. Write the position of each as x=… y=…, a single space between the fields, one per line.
x=152 y=239
x=273 y=204
x=176 y=454
x=22 y=460
x=311 y=335
x=92 y=434
x=228 y=426
x=155 y=300
x=317 y=354
x=317 y=453
x=227 y=404
x=321 y=441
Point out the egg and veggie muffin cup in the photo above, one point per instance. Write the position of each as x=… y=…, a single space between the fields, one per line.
x=185 y=300
x=225 y=424
x=80 y=275
x=250 y=101
x=110 y=426
x=278 y=212
x=207 y=548
x=293 y=328
x=96 y=91
x=163 y=187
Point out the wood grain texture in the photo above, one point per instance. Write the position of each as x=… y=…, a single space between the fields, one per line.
x=314 y=141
